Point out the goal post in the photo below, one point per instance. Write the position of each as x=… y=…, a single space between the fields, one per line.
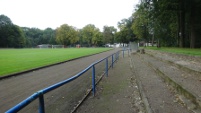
x=57 y=46
x=44 y=46
x=50 y=46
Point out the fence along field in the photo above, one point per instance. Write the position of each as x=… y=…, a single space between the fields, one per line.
x=18 y=60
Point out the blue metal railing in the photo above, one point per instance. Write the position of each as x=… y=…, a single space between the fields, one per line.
x=40 y=94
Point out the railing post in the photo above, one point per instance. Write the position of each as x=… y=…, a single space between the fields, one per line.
x=41 y=104
x=128 y=51
x=93 y=80
x=118 y=55
x=123 y=53
x=115 y=56
x=106 y=66
x=112 y=60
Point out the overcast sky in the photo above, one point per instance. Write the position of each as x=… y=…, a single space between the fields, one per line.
x=78 y=13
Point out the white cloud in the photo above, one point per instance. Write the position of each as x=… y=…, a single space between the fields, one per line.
x=78 y=13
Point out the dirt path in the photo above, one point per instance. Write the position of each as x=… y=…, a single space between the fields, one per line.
x=15 y=89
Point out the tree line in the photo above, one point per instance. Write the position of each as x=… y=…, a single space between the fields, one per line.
x=13 y=36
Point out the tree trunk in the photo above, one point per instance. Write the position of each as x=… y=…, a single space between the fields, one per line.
x=178 y=30
x=192 y=26
x=158 y=44
x=152 y=42
x=182 y=24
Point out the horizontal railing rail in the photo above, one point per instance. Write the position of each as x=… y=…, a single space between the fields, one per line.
x=40 y=94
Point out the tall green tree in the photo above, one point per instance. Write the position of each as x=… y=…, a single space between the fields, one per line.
x=33 y=36
x=66 y=35
x=48 y=36
x=10 y=35
x=91 y=35
x=109 y=34
x=125 y=34
x=139 y=25
x=4 y=20
x=157 y=20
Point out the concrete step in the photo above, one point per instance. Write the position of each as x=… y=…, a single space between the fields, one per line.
x=159 y=97
x=185 y=83
x=191 y=64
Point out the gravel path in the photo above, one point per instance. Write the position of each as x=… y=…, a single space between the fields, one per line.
x=15 y=89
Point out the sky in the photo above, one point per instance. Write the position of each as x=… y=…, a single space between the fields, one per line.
x=78 y=13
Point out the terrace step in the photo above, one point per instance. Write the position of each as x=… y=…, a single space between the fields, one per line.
x=186 y=83
x=188 y=63
x=157 y=96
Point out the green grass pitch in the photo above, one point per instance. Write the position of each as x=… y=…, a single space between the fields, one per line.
x=18 y=60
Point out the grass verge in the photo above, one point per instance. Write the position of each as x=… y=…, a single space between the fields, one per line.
x=185 y=51
x=18 y=60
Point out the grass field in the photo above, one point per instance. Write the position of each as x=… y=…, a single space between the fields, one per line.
x=186 y=51
x=17 y=60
